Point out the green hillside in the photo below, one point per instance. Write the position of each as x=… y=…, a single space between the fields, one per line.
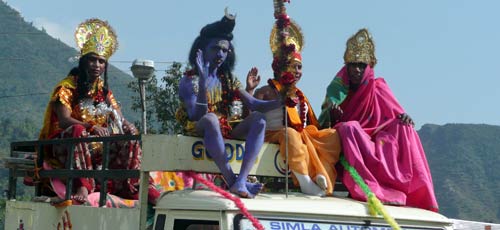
x=464 y=161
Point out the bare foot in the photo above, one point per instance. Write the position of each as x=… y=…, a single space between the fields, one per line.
x=240 y=189
x=81 y=195
x=254 y=188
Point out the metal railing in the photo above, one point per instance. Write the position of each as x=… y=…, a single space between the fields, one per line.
x=37 y=149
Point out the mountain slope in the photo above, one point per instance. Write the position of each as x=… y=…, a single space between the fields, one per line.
x=464 y=161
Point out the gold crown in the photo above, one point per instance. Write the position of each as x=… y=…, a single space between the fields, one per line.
x=294 y=37
x=360 y=49
x=96 y=36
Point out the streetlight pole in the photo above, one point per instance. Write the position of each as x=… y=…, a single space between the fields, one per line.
x=143 y=70
x=142 y=91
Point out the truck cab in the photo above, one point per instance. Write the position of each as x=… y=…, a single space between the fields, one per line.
x=201 y=209
x=205 y=209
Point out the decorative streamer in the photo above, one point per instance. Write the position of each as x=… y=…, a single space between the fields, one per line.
x=229 y=196
x=375 y=207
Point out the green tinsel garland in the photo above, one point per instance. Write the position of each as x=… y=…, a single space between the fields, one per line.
x=374 y=205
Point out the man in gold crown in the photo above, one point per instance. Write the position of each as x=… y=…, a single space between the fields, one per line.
x=378 y=138
x=312 y=152
x=82 y=105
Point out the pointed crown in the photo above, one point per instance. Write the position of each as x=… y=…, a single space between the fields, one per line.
x=96 y=36
x=360 y=49
x=294 y=37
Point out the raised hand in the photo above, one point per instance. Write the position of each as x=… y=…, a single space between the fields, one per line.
x=406 y=119
x=253 y=80
x=202 y=65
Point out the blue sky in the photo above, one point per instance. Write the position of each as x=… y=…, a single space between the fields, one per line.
x=440 y=58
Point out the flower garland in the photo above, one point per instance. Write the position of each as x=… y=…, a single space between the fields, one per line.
x=289 y=89
x=302 y=112
x=281 y=62
x=300 y=100
x=228 y=95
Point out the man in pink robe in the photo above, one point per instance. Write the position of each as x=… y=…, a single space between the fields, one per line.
x=378 y=137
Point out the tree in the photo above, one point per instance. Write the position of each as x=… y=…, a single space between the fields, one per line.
x=166 y=100
x=162 y=101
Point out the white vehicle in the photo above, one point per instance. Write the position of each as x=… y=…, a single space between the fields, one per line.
x=202 y=209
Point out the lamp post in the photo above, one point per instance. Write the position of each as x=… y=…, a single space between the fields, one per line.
x=143 y=70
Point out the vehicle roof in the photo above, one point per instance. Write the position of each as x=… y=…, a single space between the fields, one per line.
x=294 y=203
